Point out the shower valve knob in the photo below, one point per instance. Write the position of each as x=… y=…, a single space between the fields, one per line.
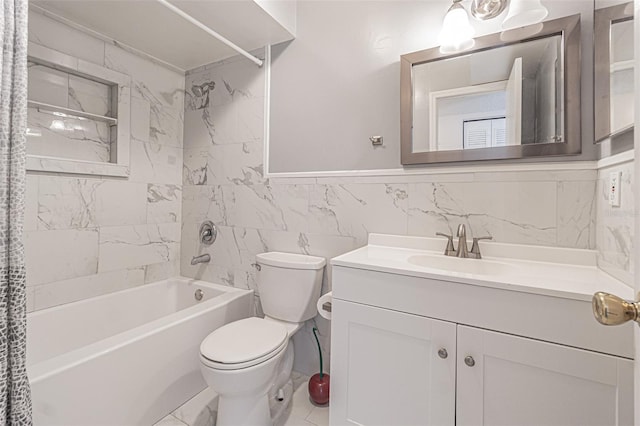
x=208 y=233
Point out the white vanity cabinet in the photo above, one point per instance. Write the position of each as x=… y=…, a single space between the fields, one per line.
x=411 y=350
x=518 y=381
x=386 y=368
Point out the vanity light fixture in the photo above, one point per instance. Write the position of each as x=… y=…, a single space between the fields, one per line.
x=524 y=12
x=487 y=9
x=457 y=33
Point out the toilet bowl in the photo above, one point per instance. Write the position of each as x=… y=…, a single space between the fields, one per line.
x=247 y=361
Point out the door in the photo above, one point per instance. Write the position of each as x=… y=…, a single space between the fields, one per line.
x=508 y=380
x=391 y=368
x=514 y=104
x=636 y=248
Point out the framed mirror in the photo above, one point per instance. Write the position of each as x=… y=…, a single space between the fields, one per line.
x=614 y=69
x=516 y=94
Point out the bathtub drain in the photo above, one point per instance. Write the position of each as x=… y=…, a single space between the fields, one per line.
x=199 y=294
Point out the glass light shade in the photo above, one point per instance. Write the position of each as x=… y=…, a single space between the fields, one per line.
x=457 y=33
x=524 y=12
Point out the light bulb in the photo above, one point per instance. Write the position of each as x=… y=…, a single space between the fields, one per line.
x=524 y=12
x=457 y=33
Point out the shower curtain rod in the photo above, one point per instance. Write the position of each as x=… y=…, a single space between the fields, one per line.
x=209 y=31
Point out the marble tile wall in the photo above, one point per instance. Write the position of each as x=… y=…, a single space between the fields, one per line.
x=614 y=225
x=90 y=235
x=224 y=182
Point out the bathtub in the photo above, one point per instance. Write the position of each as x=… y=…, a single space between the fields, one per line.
x=126 y=358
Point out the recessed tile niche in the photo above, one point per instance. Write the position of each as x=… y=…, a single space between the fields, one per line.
x=78 y=115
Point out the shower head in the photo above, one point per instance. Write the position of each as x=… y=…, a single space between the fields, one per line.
x=202 y=89
x=197 y=90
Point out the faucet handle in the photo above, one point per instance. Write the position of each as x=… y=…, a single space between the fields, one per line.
x=475 y=247
x=450 y=250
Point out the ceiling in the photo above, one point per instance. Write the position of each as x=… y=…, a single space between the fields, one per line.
x=150 y=27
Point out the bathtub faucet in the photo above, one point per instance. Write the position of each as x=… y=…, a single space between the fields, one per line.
x=203 y=258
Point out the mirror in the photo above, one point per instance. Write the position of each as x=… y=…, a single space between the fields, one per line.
x=614 y=70
x=509 y=97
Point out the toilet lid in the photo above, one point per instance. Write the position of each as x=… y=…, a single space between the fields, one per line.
x=244 y=340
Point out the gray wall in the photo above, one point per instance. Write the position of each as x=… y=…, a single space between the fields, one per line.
x=338 y=82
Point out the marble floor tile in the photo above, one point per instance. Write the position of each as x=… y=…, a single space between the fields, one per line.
x=319 y=416
x=302 y=411
x=202 y=408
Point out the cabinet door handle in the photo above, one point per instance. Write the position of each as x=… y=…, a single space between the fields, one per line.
x=469 y=361
x=442 y=353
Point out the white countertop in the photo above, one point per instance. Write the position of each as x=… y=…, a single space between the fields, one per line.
x=551 y=271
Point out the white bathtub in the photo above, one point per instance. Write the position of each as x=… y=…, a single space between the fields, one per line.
x=126 y=358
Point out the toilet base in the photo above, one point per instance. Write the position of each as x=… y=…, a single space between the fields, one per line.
x=278 y=410
x=243 y=411
x=281 y=409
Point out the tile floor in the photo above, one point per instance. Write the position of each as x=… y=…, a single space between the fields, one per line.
x=201 y=409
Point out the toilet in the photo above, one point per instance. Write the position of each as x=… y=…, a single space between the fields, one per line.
x=247 y=362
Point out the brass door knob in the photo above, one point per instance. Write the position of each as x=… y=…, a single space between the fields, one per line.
x=613 y=310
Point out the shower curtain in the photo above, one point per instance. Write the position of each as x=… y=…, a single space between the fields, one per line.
x=15 y=395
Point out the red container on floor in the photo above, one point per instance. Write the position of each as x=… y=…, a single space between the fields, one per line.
x=319 y=389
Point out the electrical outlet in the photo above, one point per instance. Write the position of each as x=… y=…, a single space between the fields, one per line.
x=614 y=188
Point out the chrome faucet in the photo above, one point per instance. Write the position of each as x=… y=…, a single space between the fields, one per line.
x=203 y=258
x=463 y=250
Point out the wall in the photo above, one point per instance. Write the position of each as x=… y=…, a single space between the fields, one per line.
x=89 y=235
x=224 y=182
x=614 y=225
x=331 y=90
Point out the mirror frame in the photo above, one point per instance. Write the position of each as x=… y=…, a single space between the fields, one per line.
x=602 y=21
x=569 y=28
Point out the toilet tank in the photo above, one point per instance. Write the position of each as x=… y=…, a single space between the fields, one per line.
x=289 y=285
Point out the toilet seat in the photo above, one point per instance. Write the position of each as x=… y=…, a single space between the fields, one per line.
x=242 y=344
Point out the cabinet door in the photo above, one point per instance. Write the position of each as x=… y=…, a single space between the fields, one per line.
x=386 y=370
x=518 y=381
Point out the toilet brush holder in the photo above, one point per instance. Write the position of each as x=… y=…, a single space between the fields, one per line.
x=319 y=382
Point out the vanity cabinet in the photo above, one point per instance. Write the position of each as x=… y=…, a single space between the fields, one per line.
x=422 y=359
x=386 y=369
x=514 y=381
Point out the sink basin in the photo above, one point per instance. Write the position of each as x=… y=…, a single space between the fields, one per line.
x=465 y=266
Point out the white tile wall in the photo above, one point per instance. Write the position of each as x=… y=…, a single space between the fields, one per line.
x=88 y=235
x=60 y=254
x=614 y=225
